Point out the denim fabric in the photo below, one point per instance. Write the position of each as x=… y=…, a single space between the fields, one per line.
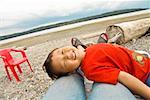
x=148 y=81
x=72 y=88
x=103 y=91
x=66 y=88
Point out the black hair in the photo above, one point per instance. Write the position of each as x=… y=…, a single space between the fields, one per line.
x=49 y=67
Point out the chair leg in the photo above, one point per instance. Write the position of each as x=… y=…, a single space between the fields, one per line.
x=19 y=68
x=15 y=74
x=29 y=65
x=8 y=75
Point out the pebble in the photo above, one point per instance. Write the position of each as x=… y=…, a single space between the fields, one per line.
x=34 y=84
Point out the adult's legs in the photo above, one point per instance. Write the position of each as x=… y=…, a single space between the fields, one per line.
x=148 y=81
x=101 y=91
x=66 y=88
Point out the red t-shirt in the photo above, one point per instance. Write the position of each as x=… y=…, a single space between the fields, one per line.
x=103 y=62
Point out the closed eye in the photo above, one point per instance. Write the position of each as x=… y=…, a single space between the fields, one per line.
x=64 y=60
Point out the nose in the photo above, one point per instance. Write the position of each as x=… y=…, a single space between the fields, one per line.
x=67 y=53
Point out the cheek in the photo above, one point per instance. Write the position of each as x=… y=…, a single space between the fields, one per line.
x=73 y=64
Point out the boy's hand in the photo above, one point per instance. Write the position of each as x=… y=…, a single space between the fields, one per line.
x=80 y=48
x=76 y=42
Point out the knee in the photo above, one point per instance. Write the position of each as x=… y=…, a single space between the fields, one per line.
x=107 y=91
x=108 y=86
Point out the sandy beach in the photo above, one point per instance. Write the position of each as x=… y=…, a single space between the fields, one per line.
x=34 y=84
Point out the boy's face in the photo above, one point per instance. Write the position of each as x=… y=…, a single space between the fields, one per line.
x=67 y=59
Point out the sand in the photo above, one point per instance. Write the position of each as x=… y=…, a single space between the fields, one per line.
x=34 y=84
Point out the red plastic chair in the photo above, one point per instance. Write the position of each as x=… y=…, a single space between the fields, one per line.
x=11 y=63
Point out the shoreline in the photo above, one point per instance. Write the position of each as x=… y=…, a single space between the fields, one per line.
x=83 y=28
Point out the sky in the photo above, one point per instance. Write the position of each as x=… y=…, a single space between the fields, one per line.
x=21 y=15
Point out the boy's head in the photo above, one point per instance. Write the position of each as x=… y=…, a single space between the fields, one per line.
x=62 y=61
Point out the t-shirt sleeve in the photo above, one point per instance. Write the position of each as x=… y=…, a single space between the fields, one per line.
x=104 y=75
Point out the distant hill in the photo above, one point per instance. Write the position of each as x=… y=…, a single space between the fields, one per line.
x=41 y=28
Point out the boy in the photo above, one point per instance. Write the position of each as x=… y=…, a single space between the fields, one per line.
x=103 y=62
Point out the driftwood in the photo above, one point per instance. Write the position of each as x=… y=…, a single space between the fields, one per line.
x=124 y=32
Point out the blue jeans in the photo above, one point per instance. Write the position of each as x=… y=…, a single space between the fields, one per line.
x=148 y=81
x=72 y=88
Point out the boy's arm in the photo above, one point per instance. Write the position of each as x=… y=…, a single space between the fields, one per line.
x=80 y=48
x=134 y=84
